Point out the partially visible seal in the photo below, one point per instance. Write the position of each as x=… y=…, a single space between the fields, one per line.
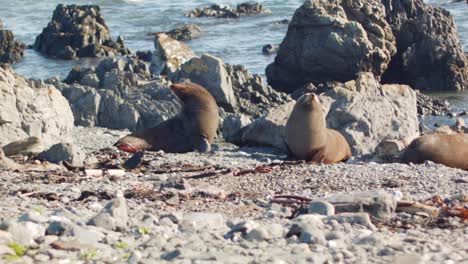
x=194 y=128
x=307 y=136
x=450 y=150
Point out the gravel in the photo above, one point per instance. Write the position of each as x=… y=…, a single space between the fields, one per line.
x=216 y=208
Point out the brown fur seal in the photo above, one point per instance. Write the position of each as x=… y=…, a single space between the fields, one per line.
x=194 y=128
x=450 y=150
x=307 y=136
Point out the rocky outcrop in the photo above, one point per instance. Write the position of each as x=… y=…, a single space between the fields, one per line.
x=169 y=55
x=118 y=94
x=430 y=56
x=332 y=41
x=10 y=50
x=185 y=32
x=364 y=111
x=78 y=31
x=233 y=86
x=32 y=109
x=222 y=11
x=432 y=106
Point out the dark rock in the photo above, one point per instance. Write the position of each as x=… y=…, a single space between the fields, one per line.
x=430 y=55
x=432 y=106
x=185 y=32
x=332 y=41
x=270 y=49
x=78 y=31
x=283 y=22
x=221 y=11
x=146 y=56
x=10 y=50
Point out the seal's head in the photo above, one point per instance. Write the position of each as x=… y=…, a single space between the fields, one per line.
x=309 y=101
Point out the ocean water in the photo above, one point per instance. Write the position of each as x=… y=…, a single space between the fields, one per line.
x=237 y=41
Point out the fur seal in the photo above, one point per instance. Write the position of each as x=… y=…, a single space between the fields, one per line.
x=450 y=150
x=194 y=128
x=307 y=136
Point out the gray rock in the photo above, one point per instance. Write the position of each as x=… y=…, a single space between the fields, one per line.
x=332 y=41
x=430 y=55
x=32 y=216
x=202 y=221
x=10 y=50
x=185 y=32
x=91 y=80
x=379 y=204
x=64 y=152
x=169 y=55
x=312 y=235
x=24 y=233
x=5 y=237
x=116 y=113
x=266 y=232
x=270 y=49
x=321 y=208
x=25 y=111
x=77 y=31
x=114 y=216
x=232 y=126
x=222 y=11
x=362 y=219
x=4 y=250
x=210 y=72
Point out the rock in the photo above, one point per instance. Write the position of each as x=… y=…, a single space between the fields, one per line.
x=244 y=227
x=10 y=50
x=268 y=130
x=232 y=126
x=1 y=24
x=24 y=146
x=185 y=32
x=169 y=54
x=428 y=105
x=24 y=233
x=210 y=72
x=362 y=219
x=202 y=221
x=65 y=228
x=270 y=49
x=32 y=216
x=364 y=111
x=430 y=55
x=221 y=11
x=332 y=41
x=114 y=215
x=321 y=208
x=307 y=228
x=391 y=149
x=312 y=235
x=378 y=204
x=91 y=80
x=146 y=56
x=63 y=152
x=30 y=110
x=78 y=31
x=4 y=250
x=266 y=232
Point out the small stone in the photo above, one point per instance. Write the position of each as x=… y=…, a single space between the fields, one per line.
x=113 y=216
x=63 y=152
x=5 y=237
x=32 y=216
x=93 y=173
x=321 y=208
x=362 y=219
x=266 y=232
x=4 y=250
x=312 y=235
x=116 y=173
x=202 y=221
x=25 y=232
x=135 y=257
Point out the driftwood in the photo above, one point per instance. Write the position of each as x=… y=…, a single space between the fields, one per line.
x=413 y=207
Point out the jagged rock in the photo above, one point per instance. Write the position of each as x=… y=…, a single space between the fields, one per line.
x=232 y=126
x=10 y=50
x=185 y=32
x=364 y=111
x=24 y=146
x=222 y=11
x=31 y=109
x=332 y=41
x=432 y=106
x=63 y=152
x=169 y=54
x=210 y=72
x=145 y=56
x=430 y=55
x=78 y=31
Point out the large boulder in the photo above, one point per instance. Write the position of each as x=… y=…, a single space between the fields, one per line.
x=234 y=88
x=118 y=94
x=332 y=41
x=169 y=54
x=363 y=110
x=32 y=109
x=430 y=55
x=78 y=31
x=10 y=50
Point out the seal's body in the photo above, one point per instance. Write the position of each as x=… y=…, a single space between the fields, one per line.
x=450 y=150
x=194 y=128
x=307 y=136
